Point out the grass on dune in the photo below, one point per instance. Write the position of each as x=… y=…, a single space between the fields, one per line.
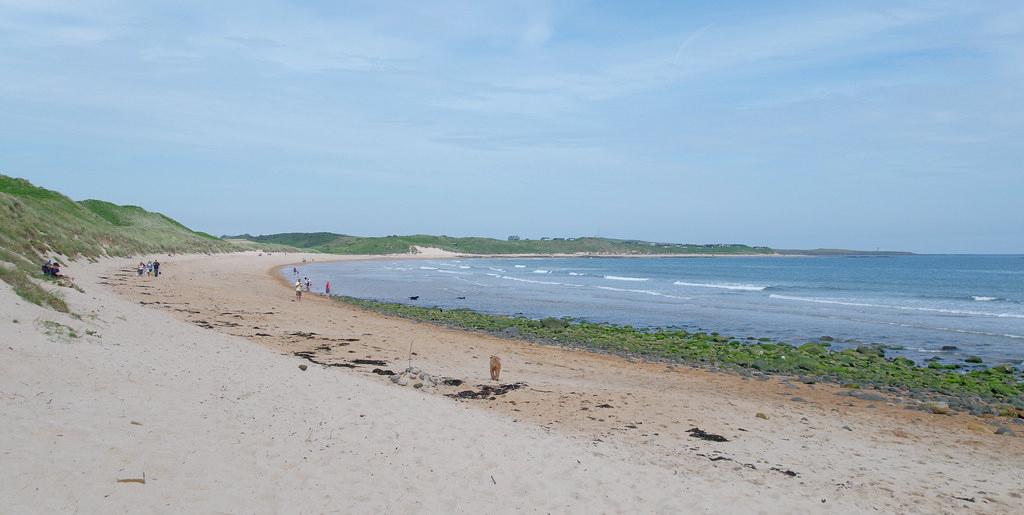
x=38 y=223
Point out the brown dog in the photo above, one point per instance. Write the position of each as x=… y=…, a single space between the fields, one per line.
x=495 y=368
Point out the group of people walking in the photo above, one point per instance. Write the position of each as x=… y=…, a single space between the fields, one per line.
x=306 y=285
x=150 y=268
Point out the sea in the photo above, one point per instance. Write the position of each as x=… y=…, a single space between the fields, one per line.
x=918 y=306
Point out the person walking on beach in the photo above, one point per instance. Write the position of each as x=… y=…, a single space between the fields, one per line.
x=156 y=268
x=327 y=289
x=309 y=284
x=298 y=291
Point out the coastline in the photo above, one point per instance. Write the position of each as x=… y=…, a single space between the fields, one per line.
x=627 y=422
x=660 y=401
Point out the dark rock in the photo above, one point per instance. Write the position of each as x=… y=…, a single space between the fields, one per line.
x=827 y=339
x=949 y=347
x=383 y=372
x=797 y=399
x=862 y=395
x=874 y=350
x=303 y=367
x=973 y=359
x=1003 y=430
x=414 y=297
x=452 y=382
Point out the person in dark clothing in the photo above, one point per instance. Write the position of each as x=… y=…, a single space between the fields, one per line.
x=156 y=268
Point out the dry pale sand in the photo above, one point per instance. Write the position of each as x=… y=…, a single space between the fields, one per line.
x=170 y=385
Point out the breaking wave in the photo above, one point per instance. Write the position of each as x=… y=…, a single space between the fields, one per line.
x=723 y=286
x=646 y=292
x=905 y=308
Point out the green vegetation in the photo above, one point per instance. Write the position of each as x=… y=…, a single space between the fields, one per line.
x=344 y=244
x=863 y=366
x=58 y=331
x=39 y=223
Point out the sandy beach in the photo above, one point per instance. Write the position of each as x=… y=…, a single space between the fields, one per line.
x=184 y=393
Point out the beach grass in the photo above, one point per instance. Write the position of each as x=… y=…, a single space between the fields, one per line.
x=40 y=224
x=984 y=388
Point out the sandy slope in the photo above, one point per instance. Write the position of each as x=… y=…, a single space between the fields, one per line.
x=219 y=424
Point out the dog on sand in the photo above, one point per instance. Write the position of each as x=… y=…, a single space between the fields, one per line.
x=495 y=368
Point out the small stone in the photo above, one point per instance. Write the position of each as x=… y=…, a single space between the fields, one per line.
x=761 y=416
x=418 y=385
x=1003 y=430
x=797 y=399
x=303 y=367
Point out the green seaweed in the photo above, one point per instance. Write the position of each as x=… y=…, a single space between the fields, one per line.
x=861 y=366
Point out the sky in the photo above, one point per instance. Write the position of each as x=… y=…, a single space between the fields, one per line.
x=872 y=124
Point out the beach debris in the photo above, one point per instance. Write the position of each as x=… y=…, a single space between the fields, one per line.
x=949 y=347
x=139 y=480
x=487 y=391
x=968 y=499
x=311 y=357
x=785 y=472
x=136 y=423
x=452 y=382
x=383 y=372
x=606 y=406
x=697 y=432
x=461 y=298
x=719 y=457
x=376 y=362
x=303 y=367
x=761 y=416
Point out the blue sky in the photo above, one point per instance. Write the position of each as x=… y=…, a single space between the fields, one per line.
x=791 y=124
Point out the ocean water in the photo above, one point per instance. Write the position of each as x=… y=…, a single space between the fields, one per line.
x=918 y=303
